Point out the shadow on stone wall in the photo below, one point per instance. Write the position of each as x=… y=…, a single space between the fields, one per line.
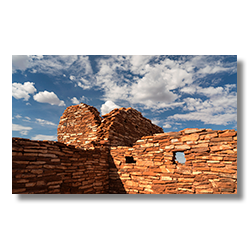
x=115 y=183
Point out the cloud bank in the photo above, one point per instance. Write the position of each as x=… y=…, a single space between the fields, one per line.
x=154 y=83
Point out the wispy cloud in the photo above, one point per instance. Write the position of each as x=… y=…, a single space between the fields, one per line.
x=44 y=122
x=220 y=106
x=21 y=129
x=20 y=62
x=44 y=137
x=53 y=65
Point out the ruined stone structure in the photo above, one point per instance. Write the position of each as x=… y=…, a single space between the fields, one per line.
x=123 y=152
x=81 y=124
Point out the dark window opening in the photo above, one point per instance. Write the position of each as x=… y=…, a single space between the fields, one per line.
x=180 y=157
x=130 y=159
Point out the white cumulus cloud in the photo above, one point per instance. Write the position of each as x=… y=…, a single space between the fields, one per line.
x=166 y=125
x=75 y=100
x=153 y=88
x=20 y=91
x=48 y=97
x=108 y=106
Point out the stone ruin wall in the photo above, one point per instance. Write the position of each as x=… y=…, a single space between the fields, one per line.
x=123 y=152
x=55 y=168
x=82 y=126
x=150 y=166
x=78 y=125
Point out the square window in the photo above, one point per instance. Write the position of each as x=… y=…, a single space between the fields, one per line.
x=130 y=159
x=180 y=157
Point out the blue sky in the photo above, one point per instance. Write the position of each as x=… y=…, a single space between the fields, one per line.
x=175 y=92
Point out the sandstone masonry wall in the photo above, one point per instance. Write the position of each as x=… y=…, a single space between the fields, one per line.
x=81 y=125
x=123 y=127
x=78 y=125
x=150 y=166
x=53 y=167
x=123 y=152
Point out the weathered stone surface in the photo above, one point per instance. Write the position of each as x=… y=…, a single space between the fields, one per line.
x=191 y=137
x=193 y=130
x=221 y=147
x=228 y=134
x=47 y=174
x=181 y=147
x=101 y=155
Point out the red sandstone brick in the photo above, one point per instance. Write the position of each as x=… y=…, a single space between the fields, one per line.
x=194 y=130
x=220 y=147
x=36 y=171
x=158 y=188
x=223 y=170
x=190 y=180
x=200 y=149
x=148 y=173
x=209 y=136
x=202 y=168
x=22 y=181
x=19 y=190
x=131 y=183
x=191 y=137
x=204 y=191
x=216 y=165
x=31 y=184
x=21 y=162
x=230 y=158
x=228 y=134
x=40 y=183
x=17 y=153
